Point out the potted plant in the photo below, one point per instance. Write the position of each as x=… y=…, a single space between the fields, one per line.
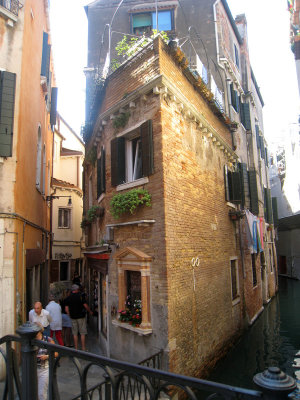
x=93 y=212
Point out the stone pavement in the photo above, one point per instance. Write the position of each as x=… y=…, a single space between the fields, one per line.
x=67 y=375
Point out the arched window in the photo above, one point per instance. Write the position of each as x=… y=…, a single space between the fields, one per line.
x=39 y=160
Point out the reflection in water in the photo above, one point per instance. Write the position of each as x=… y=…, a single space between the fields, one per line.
x=273 y=340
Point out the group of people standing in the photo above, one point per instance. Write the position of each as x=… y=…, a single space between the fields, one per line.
x=58 y=320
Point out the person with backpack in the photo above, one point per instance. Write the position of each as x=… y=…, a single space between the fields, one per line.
x=76 y=307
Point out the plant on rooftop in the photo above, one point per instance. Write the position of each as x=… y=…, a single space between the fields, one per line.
x=127 y=202
x=128 y=47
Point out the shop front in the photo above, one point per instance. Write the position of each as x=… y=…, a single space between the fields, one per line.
x=96 y=286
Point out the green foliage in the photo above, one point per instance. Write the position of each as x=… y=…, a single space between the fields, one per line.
x=121 y=120
x=127 y=202
x=91 y=156
x=84 y=223
x=129 y=47
x=92 y=213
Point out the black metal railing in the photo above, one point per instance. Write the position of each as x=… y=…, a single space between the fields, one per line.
x=11 y=5
x=117 y=379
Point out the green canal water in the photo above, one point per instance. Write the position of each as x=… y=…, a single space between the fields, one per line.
x=273 y=340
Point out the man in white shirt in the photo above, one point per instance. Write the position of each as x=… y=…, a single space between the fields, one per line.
x=40 y=316
x=56 y=323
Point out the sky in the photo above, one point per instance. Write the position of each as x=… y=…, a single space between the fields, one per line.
x=271 y=59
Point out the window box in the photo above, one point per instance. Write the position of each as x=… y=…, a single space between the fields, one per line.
x=129 y=327
x=127 y=202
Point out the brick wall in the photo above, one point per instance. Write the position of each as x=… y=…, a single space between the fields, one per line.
x=192 y=314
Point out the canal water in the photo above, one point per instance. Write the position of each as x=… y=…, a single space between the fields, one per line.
x=273 y=340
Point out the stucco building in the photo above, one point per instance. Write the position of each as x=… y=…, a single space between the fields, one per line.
x=182 y=122
x=66 y=203
x=27 y=99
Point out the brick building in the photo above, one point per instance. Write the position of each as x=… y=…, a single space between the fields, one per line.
x=191 y=135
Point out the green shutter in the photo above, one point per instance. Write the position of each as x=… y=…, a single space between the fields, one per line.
x=237 y=102
x=244 y=182
x=117 y=161
x=236 y=187
x=266 y=157
x=101 y=173
x=245 y=116
x=147 y=147
x=232 y=95
x=234 y=98
x=45 y=56
x=254 y=208
x=103 y=180
x=275 y=210
x=53 y=106
x=7 y=103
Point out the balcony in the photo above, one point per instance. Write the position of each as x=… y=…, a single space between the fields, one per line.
x=11 y=5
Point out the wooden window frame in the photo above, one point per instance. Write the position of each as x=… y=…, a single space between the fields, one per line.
x=120 y=155
x=69 y=218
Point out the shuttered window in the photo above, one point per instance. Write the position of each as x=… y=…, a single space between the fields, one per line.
x=262 y=147
x=268 y=206
x=53 y=108
x=132 y=159
x=233 y=186
x=7 y=104
x=245 y=184
x=234 y=98
x=254 y=207
x=275 y=210
x=101 y=173
x=45 y=67
x=245 y=116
